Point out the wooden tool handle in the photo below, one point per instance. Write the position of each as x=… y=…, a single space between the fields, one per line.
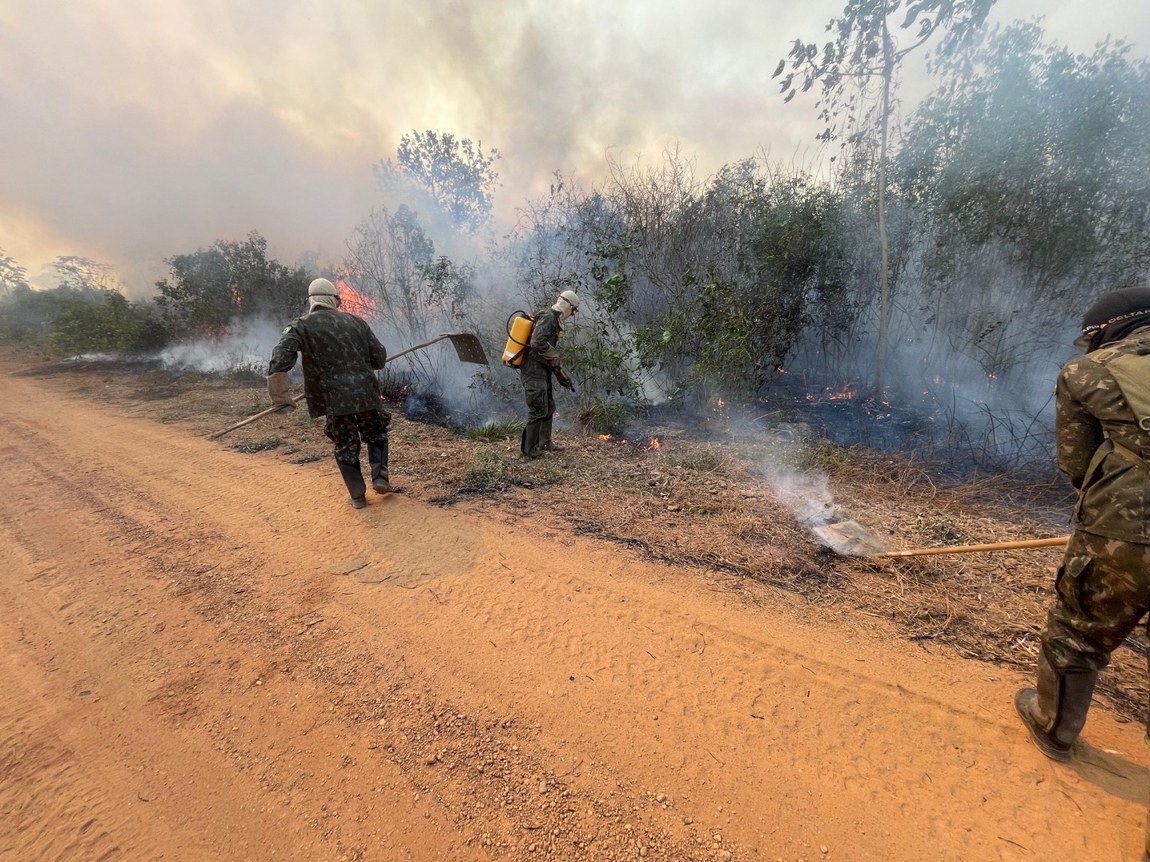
x=970 y=549
x=274 y=409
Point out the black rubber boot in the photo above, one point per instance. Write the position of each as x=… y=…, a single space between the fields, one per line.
x=529 y=441
x=545 y=437
x=377 y=459
x=356 y=488
x=1055 y=712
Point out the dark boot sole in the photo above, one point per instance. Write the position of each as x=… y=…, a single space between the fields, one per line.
x=358 y=502
x=382 y=488
x=1022 y=702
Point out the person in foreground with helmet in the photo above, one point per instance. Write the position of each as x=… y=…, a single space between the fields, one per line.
x=539 y=365
x=340 y=357
x=1102 y=427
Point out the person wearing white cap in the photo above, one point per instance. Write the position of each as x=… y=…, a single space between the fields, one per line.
x=340 y=357
x=541 y=363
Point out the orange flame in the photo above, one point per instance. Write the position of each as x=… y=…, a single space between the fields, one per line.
x=351 y=300
x=721 y=404
x=653 y=445
x=604 y=436
x=844 y=394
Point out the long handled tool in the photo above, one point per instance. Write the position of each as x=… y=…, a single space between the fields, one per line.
x=467 y=347
x=971 y=549
x=853 y=539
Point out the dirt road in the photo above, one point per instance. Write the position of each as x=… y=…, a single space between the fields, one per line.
x=210 y=656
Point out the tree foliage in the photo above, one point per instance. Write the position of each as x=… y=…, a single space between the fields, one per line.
x=1041 y=153
x=12 y=275
x=457 y=174
x=208 y=288
x=104 y=321
x=862 y=52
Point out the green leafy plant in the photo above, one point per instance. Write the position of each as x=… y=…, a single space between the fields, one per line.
x=259 y=444
x=603 y=417
x=496 y=429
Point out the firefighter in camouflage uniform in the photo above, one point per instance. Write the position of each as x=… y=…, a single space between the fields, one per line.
x=1103 y=584
x=340 y=357
x=540 y=364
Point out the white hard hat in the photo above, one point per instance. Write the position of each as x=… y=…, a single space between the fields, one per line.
x=322 y=287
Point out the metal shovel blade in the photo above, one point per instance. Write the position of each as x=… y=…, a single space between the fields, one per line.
x=850 y=538
x=467 y=347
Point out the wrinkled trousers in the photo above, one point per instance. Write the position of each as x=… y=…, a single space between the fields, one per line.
x=346 y=432
x=538 y=391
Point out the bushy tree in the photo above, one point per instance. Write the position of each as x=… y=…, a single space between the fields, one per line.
x=104 y=321
x=1042 y=153
x=12 y=275
x=1027 y=170
x=864 y=54
x=457 y=174
x=206 y=289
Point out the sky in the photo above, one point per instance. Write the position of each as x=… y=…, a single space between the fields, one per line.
x=134 y=130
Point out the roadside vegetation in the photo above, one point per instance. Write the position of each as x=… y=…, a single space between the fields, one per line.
x=932 y=275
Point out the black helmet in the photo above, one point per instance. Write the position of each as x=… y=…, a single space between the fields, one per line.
x=1114 y=316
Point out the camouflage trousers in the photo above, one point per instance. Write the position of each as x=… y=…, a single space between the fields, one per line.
x=347 y=431
x=538 y=391
x=1103 y=591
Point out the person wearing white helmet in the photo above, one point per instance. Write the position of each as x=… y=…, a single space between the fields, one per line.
x=340 y=357
x=541 y=363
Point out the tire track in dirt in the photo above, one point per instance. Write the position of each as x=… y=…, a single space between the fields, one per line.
x=434 y=680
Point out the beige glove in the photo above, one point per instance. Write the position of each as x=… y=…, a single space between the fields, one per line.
x=278 y=390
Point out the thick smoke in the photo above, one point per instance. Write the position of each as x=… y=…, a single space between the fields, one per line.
x=187 y=121
x=247 y=346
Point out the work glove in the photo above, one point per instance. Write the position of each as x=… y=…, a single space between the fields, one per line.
x=564 y=380
x=278 y=390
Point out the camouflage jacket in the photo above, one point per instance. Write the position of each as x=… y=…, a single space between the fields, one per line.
x=543 y=347
x=340 y=353
x=1101 y=445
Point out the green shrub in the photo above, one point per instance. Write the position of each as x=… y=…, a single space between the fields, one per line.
x=496 y=429
x=601 y=417
x=259 y=444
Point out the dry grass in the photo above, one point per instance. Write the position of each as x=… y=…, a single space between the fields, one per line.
x=708 y=505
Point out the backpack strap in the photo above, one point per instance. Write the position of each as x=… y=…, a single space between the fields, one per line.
x=1132 y=373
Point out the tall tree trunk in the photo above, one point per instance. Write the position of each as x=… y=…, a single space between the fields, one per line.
x=884 y=271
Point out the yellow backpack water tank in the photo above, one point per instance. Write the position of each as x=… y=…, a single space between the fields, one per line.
x=519 y=326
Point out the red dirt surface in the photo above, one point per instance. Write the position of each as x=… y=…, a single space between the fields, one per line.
x=210 y=656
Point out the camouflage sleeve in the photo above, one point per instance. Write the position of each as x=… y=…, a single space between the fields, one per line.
x=1078 y=432
x=284 y=353
x=544 y=335
x=377 y=353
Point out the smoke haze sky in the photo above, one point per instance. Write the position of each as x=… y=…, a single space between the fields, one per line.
x=133 y=130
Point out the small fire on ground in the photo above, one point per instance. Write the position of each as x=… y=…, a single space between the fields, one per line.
x=831 y=394
x=653 y=444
